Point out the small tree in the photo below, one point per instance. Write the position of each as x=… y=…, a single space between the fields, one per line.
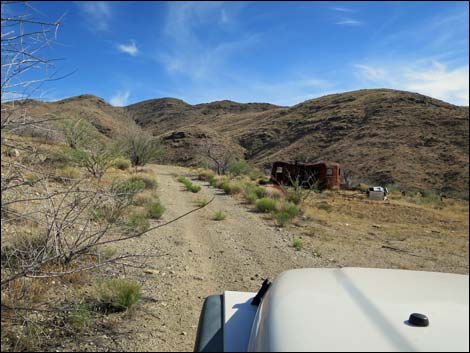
x=218 y=155
x=96 y=160
x=140 y=146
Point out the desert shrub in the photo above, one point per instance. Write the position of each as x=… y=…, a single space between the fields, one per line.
x=260 y=191
x=107 y=252
x=286 y=213
x=295 y=196
x=68 y=173
x=432 y=197
x=193 y=188
x=206 y=175
x=155 y=209
x=201 y=202
x=24 y=247
x=80 y=317
x=96 y=159
x=122 y=163
x=265 y=205
x=31 y=178
x=213 y=182
x=325 y=207
x=58 y=158
x=124 y=191
x=149 y=180
x=251 y=197
x=139 y=146
x=137 y=223
x=275 y=194
x=118 y=294
x=218 y=216
x=143 y=198
x=362 y=187
x=189 y=185
x=220 y=182
x=297 y=244
x=226 y=187
x=78 y=132
x=235 y=188
x=106 y=212
x=240 y=167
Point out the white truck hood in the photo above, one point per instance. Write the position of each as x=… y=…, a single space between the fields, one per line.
x=351 y=309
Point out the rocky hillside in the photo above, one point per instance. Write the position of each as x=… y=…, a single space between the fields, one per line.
x=380 y=135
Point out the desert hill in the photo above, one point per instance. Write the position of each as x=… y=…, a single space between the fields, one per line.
x=381 y=135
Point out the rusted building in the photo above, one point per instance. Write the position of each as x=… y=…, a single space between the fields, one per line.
x=327 y=174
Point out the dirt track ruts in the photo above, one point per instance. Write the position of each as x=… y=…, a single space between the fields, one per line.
x=201 y=257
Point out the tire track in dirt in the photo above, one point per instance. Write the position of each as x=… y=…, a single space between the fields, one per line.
x=200 y=257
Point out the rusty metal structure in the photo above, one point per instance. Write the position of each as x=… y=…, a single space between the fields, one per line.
x=326 y=174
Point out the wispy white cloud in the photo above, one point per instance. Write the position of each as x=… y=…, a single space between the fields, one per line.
x=97 y=13
x=342 y=9
x=349 y=22
x=428 y=77
x=120 y=98
x=130 y=49
x=192 y=51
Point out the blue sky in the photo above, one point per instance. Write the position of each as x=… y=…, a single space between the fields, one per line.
x=278 y=52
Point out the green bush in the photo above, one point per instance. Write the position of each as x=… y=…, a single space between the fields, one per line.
x=287 y=212
x=297 y=244
x=59 y=158
x=149 y=181
x=189 y=185
x=194 y=188
x=218 y=216
x=80 y=317
x=122 y=163
x=155 y=210
x=260 y=191
x=240 y=167
x=137 y=223
x=126 y=189
x=295 y=196
x=118 y=294
x=265 y=205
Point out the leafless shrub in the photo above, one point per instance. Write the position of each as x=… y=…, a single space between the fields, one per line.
x=140 y=146
x=218 y=155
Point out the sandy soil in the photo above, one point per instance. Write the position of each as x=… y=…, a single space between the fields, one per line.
x=200 y=257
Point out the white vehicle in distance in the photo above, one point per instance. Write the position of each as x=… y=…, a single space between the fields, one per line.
x=348 y=309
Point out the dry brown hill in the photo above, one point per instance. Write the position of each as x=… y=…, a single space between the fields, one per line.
x=381 y=135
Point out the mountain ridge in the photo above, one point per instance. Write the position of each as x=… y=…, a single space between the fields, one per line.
x=380 y=135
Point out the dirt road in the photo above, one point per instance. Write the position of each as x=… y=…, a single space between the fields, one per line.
x=201 y=257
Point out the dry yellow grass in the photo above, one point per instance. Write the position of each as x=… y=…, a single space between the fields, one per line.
x=395 y=233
